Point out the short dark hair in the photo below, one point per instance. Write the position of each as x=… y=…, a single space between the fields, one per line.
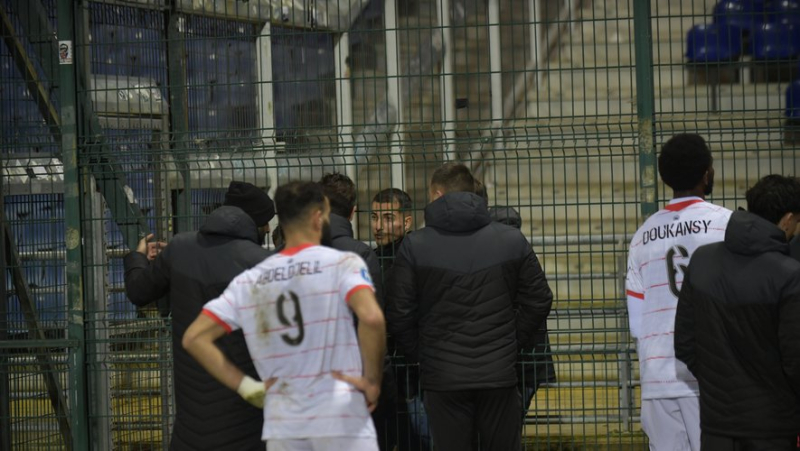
x=341 y=192
x=773 y=196
x=390 y=195
x=683 y=161
x=453 y=177
x=294 y=200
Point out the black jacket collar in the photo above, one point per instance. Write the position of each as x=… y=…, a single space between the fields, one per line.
x=230 y=221
x=340 y=227
x=750 y=234
x=457 y=212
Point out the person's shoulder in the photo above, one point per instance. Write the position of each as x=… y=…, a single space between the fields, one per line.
x=711 y=209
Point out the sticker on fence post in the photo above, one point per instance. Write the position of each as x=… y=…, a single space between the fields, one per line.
x=64 y=52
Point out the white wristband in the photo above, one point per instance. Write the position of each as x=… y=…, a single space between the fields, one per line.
x=252 y=391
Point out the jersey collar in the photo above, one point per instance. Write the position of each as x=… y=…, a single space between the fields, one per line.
x=294 y=250
x=682 y=202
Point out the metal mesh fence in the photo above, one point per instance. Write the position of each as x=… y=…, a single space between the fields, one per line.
x=556 y=105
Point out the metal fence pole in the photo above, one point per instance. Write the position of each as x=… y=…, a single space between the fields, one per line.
x=76 y=390
x=645 y=106
x=393 y=92
x=447 y=81
x=5 y=392
x=179 y=114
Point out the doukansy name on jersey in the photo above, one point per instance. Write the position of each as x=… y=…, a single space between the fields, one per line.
x=675 y=229
x=283 y=273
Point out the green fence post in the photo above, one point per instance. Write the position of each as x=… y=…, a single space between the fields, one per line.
x=76 y=391
x=648 y=188
x=179 y=115
x=645 y=106
x=5 y=391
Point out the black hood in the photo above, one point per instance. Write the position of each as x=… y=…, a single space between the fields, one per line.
x=340 y=227
x=232 y=222
x=750 y=234
x=506 y=215
x=457 y=212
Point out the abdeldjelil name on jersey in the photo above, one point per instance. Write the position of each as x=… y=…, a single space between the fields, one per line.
x=676 y=229
x=283 y=273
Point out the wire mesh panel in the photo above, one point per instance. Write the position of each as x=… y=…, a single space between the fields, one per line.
x=548 y=102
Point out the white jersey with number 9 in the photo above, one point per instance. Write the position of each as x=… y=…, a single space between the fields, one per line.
x=292 y=308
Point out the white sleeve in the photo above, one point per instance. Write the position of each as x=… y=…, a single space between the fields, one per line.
x=225 y=310
x=353 y=276
x=635 y=294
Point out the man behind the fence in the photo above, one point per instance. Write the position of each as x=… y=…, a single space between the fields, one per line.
x=319 y=380
x=193 y=269
x=658 y=256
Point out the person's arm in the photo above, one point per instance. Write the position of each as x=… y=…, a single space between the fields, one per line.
x=634 y=293
x=685 y=338
x=402 y=305
x=372 y=342
x=534 y=299
x=789 y=334
x=199 y=340
x=146 y=281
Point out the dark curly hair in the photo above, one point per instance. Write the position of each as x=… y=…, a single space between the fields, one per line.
x=683 y=161
x=773 y=196
x=341 y=192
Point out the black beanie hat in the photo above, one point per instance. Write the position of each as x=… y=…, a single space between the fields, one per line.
x=253 y=200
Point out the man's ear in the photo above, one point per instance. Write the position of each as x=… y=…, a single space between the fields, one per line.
x=316 y=220
x=786 y=222
x=407 y=221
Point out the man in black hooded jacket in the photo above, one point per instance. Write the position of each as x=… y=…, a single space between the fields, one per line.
x=464 y=296
x=536 y=364
x=193 y=269
x=737 y=325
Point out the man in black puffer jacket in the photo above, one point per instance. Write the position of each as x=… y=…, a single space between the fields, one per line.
x=193 y=269
x=536 y=364
x=464 y=296
x=737 y=326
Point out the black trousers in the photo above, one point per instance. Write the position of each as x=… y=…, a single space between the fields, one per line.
x=455 y=415
x=709 y=442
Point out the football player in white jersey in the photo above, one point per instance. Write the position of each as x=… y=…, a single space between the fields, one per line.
x=659 y=254
x=320 y=380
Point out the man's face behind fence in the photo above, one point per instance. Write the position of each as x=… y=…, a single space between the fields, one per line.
x=389 y=223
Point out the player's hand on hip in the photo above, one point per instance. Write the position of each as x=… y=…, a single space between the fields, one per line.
x=370 y=388
x=254 y=391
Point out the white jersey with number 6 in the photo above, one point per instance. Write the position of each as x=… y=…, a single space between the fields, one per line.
x=657 y=258
x=292 y=308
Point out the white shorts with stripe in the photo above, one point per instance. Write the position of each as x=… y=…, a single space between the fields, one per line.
x=325 y=444
x=672 y=424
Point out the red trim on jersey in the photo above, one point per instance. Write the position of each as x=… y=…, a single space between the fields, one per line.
x=354 y=289
x=294 y=250
x=634 y=294
x=678 y=206
x=216 y=319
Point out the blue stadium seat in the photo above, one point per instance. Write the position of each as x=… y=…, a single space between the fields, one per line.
x=793 y=100
x=708 y=43
x=744 y=14
x=775 y=41
x=783 y=11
